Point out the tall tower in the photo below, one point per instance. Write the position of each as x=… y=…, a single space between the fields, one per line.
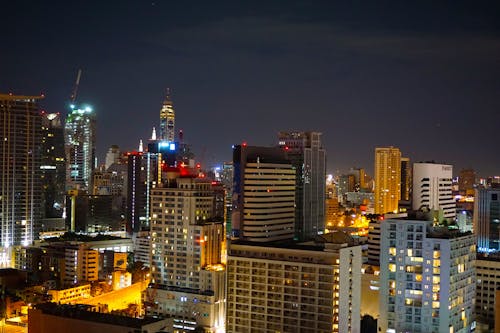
x=432 y=184
x=53 y=165
x=307 y=155
x=387 y=179
x=142 y=171
x=20 y=182
x=80 y=133
x=187 y=243
x=167 y=119
x=263 y=194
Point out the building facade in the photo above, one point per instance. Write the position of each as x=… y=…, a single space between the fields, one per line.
x=80 y=136
x=387 y=179
x=486 y=219
x=432 y=189
x=53 y=165
x=294 y=288
x=21 y=177
x=427 y=278
x=406 y=179
x=305 y=151
x=188 y=273
x=263 y=194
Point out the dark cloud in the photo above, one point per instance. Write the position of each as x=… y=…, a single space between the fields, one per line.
x=423 y=76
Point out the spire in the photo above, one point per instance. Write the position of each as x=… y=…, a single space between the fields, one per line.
x=153 y=135
x=141 y=146
x=167 y=119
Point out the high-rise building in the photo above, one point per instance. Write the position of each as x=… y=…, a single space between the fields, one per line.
x=112 y=156
x=53 y=165
x=143 y=172
x=406 y=179
x=188 y=273
x=427 y=278
x=486 y=219
x=167 y=119
x=307 y=155
x=263 y=194
x=432 y=189
x=387 y=179
x=309 y=287
x=80 y=134
x=20 y=182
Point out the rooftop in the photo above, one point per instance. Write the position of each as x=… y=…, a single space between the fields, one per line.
x=84 y=312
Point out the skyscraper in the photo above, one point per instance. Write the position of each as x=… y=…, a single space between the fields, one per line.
x=387 y=179
x=142 y=173
x=427 y=278
x=307 y=155
x=486 y=219
x=167 y=119
x=263 y=194
x=432 y=184
x=188 y=273
x=53 y=165
x=80 y=134
x=20 y=182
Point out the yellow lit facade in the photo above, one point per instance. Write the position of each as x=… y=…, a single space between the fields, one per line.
x=387 y=179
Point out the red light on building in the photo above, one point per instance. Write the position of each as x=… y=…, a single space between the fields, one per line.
x=244 y=144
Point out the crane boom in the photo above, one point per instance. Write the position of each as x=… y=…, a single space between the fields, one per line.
x=75 y=89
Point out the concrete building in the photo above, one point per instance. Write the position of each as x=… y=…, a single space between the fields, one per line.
x=81 y=264
x=51 y=317
x=488 y=283
x=427 y=278
x=486 y=219
x=305 y=151
x=263 y=194
x=188 y=273
x=387 y=180
x=295 y=287
x=432 y=189
x=80 y=136
x=20 y=181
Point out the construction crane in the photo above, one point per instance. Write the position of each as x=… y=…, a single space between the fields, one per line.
x=72 y=99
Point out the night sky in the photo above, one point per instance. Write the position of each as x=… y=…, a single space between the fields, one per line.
x=421 y=75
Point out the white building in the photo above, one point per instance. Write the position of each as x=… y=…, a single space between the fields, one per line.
x=188 y=273
x=432 y=188
x=427 y=278
x=294 y=288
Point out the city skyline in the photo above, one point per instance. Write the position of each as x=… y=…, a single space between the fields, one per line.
x=422 y=77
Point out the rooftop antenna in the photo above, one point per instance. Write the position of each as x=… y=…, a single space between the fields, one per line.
x=75 y=89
